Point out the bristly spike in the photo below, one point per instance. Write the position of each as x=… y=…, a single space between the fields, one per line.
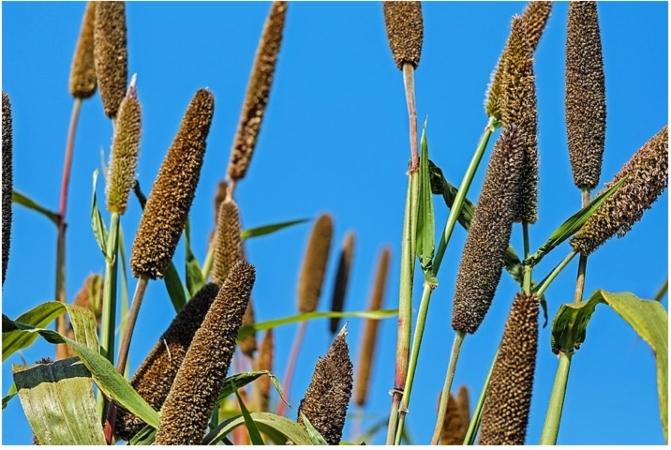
x=313 y=270
x=111 y=54
x=342 y=279
x=405 y=31
x=326 y=399
x=228 y=249
x=83 y=72
x=647 y=175
x=258 y=92
x=456 y=419
x=487 y=241
x=155 y=375
x=168 y=205
x=185 y=414
x=7 y=184
x=505 y=413
x=585 y=94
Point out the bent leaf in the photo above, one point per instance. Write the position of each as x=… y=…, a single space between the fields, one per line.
x=253 y=431
x=267 y=423
x=29 y=203
x=315 y=436
x=15 y=339
x=268 y=229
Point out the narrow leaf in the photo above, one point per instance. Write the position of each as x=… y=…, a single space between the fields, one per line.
x=254 y=434
x=267 y=423
x=29 y=203
x=39 y=317
x=268 y=229
x=426 y=232
x=97 y=223
x=315 y=436
x=11 y=393
x=194 y=274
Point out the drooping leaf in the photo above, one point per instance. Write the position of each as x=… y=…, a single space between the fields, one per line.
x=268 y=229
x=11 y=393
x=15 y=339
x=425 y=240
x=84 y=326
x=58 y=401
x=647 y=318
x=315 y=436
x=29 y=203
x=267 y=423
x=97 y=223
x=253 y=431
x=145 y=436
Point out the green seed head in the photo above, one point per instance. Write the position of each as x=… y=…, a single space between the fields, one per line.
x=83 y=71
x=155 y=375
x=405 y=31
x=506 y=410
x=647 y=177
x=168 y=204
x=185 y=414
x=314 y=264
x=585 y=98
x=111 y=54
x=487 y=241
x=342 y=278
x=326 y=399
x=258 y=92
x=7 y=185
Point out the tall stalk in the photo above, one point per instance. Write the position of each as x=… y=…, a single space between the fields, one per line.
x=108 y=318
x=124 y=346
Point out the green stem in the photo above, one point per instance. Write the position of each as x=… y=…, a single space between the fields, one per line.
x=209 y=259
x=474 y=424
x=447 y=387
x=556 y=271
x=662 y=291
x=108 y=319
x=556 y=404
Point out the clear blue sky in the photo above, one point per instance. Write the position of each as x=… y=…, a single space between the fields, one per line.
x=335 y=139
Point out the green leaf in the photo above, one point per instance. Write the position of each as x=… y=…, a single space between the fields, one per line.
x=11 y=393
x=145 y=436
x=194 y=275
x=253 y=431
x=39 y=317
x=268 y=229
x=267 y=423
x=315 y=436
x=84 y=326
x=426 y=232
x=572 y=224
x=647 y=318
x=97 y=223
x=58 y=401
x=29 y=203
x=260 y=326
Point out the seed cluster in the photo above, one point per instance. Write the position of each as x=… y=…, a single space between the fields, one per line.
x=186 y=411
x=370 y=331
x=155 y=375
x=342 y=279
x=248 y=344
x=7 y=184
x=405 y=31
x=228 y=249
x=487 y=241
x=506 y=410
x=258 y=92
x=264 y=361
x=83 y=72
x=90 y=295
x=313 y=271
x=168 y=205
x=647 y=177
x=585 y=98
x=111 y=54
x=456 y=419
x=329 y=392
x=518 y=107
x=124 y=155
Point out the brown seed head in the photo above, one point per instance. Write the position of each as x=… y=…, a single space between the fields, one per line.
x=518 y=107
x=258 y=92
x=456 y=419
x=186 y=411
x=155 y=375
x=248 y=343
x=585 y=98
x=168 y=205
x=124 y=155
x=647 y=177
x=219 y=197
x=370 y=331
x=506 y=410
x=264 y=361
x=405 y=31
x=7 y=184
x=90 y=295
x=228 y=245
x=83 y=71
x=314 y=264
x=326 y=399
x=487 y=241
x=111 y=54
x=342 y=278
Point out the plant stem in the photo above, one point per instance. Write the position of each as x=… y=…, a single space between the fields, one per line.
x=409 y=86
x=61 y=349
x=474 y=424
x=662 y=291
x=108 y=319
x=124 y=346
x=291 y=365
x=556 y=271
x=447 y=387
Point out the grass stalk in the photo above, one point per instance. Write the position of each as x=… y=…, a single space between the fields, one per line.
x=61 y=326
x=108 y=319
x=291 y=365
x=447 y=387
x=124 y=346
x=556 y=271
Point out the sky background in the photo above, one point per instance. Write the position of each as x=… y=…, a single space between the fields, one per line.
x=334 y=140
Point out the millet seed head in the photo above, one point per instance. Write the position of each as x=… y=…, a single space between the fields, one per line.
x=228 y=249
x=646 y=178
x=155 y=375
x=185 y=414
x=264 y=361
x=124 y=154
x=83 y=72
x=405 y=31
x=258 y=92
x=168 y=204
x=312 y=274
x=483 y=255
x=248 y=344
x=370 y=331
x=90 y=295
x=456 y=419
x=342 y=279
x=585 y=96
x=7 y=184
x=326 y=399
x=111 y=54
x=506 y=410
